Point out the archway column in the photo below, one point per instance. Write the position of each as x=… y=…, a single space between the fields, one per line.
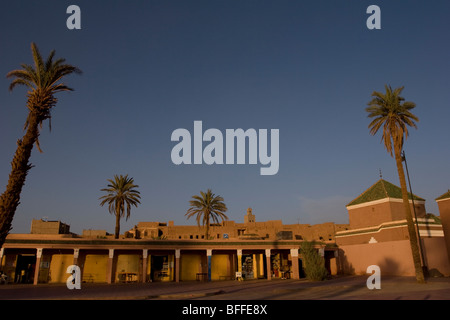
x=38 y=265
x=109 y=272
x=209 y=256
x=295 y=267
x=268 y=265
x=76 y=254
x=144 y=265
x=239 y=261
x=177 y=265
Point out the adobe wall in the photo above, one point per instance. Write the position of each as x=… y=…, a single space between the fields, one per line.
x=435 y=255
x=49 y=227
x=370 y=215
x=398 y=213
x=373 y=215
x=268 y=230
x=444 y=211
x=385 y=233
x=393 y=258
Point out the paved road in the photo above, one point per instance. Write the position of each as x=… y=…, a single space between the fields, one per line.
x=276 y=299
x=341 y=288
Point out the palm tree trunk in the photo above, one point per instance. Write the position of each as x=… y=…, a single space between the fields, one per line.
x=207 y=226
x=10 y=199
x=117 y=231
x=411 y=229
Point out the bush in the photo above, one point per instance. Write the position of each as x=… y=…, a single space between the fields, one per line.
x=314 y=264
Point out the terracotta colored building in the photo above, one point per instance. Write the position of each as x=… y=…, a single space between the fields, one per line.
x=230 y=230
x=155 y=251
x=378 y=234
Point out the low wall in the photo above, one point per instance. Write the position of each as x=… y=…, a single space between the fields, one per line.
x=393 y=257
x=436 y=256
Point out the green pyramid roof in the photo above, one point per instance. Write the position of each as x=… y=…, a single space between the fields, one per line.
x=444 y=196
x=380 y=190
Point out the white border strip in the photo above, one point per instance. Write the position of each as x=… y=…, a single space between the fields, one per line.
x=431 y=233
x=374 y=202
x=395 y=224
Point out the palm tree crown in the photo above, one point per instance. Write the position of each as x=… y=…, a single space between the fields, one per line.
x=393 y=113
x=43 y=81
x=207 y=207
x=121 y=195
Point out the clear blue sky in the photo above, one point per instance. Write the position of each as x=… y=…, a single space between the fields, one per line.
x=307 y=68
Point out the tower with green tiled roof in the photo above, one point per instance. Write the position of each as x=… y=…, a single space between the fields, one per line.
x=380 y=190
x=380 y=203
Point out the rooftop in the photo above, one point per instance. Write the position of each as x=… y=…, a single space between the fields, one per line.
x=380 y=190
x=444 y=196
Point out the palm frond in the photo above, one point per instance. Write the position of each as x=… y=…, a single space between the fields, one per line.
x=206 y=208
x=43 y=81
x=391 y=112
x=119 y=191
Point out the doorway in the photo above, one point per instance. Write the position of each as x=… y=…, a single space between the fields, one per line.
x=25 y=266
x=161 y=267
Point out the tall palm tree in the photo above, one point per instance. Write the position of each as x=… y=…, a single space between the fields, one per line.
x=120 y=192
x=43 y=81
x=207 y=207
x=391 y=112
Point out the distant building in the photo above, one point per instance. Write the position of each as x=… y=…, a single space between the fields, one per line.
x=42 y=226
x=231 y=230
x=99 y=234
x=249 y=217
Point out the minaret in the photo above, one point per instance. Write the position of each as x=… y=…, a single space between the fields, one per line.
x=249 y=217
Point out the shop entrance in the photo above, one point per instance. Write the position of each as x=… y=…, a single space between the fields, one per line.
x=25 y=266
x=160 y=268
x=281 y=266
x=247 y=266
x=300 y=269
